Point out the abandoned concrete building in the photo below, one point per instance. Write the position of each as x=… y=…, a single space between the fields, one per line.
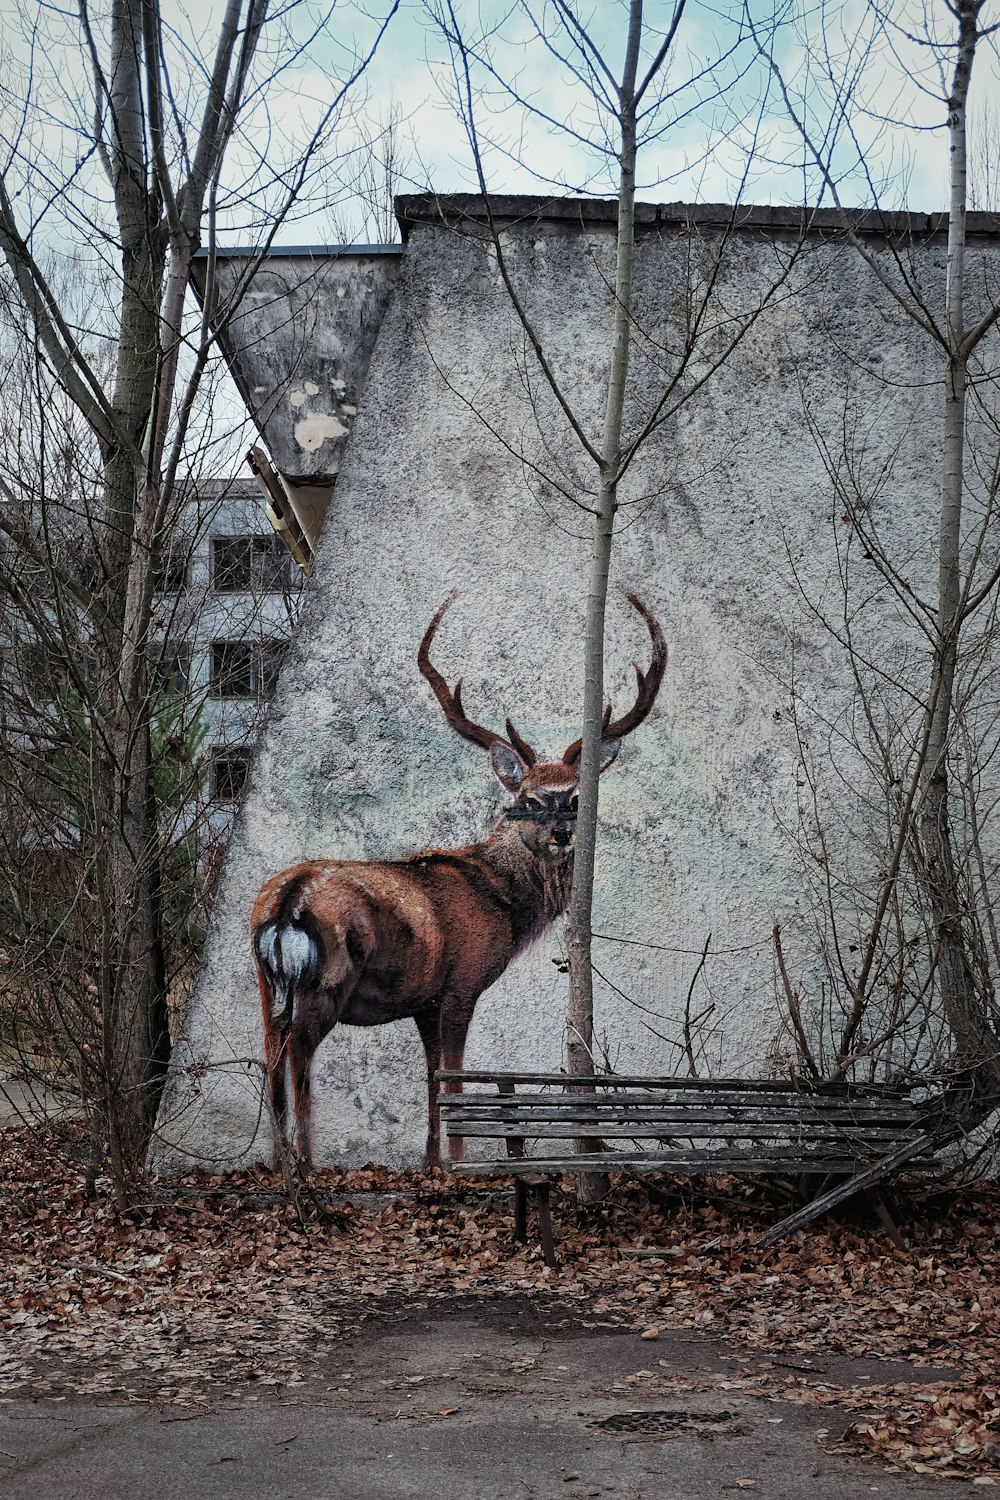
x=226 y=602
x=414 y=447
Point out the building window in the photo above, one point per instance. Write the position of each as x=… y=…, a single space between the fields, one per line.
x=170 y=575
x=246 y=669
x=250 y=565
x=232 y=670
x=41 y=778
x=170 y=666
x=229 y=772
x=272 y=654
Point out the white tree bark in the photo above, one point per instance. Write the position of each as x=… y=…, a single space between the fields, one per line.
x=580 y=1016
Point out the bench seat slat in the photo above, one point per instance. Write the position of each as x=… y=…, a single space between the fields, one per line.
x=459 y=1107
x=709 y=1162
x=491 y=1109
x=682 y=1146
x=689 y=1098
x=893 y=1108
x=636 y=1130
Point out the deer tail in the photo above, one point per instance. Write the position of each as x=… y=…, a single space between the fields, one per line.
x=289 y=954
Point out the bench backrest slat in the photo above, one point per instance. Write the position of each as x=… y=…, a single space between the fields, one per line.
x=710 y=1125
x=802 y=1090
x=609 y=1109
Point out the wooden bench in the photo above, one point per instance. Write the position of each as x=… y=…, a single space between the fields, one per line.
x=811 y=1134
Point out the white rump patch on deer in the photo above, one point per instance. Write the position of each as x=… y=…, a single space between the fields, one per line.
x=298 y=952
x=287 y=950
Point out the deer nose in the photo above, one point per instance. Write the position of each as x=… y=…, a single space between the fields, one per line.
x=561 y=834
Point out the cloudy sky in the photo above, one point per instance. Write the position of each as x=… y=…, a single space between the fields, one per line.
x=751 y=91
x=718 y=126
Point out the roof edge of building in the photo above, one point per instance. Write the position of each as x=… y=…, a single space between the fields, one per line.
x=458 y=210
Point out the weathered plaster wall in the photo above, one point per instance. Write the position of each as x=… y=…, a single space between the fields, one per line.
x=729 y=531
x=299 y=343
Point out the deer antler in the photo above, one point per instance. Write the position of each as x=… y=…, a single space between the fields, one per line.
x=648 y=686
x=522 y=747
x=450 y=699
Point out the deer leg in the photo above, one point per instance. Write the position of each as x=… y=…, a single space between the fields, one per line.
x=454 y=1030
x=299 y=1010
x=276 y=1059
x=300 y=1058
x=429 y=1026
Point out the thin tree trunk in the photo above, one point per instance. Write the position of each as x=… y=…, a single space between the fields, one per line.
x=966 y=1004
x=580 y=1017
x=162 y=166
x=134 y=1009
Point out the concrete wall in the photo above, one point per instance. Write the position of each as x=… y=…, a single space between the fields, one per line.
x=299 y=342
x=729 y=530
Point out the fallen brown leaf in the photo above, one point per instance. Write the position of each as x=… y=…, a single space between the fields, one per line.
x=215 y=1285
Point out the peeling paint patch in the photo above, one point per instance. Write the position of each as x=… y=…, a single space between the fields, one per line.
x=348 y=410
x=312 y=432
x=296 y=398
x=339 y=385
x=259 y=390
x=311 y=388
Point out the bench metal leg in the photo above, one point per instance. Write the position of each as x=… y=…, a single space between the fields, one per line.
x=539 y=1201
x=541 y=1197
x=520 y=1210
x=885 y=1217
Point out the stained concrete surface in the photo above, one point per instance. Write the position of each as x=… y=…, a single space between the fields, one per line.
x=460 y=1407
x=23 y=1102
x=737 y=545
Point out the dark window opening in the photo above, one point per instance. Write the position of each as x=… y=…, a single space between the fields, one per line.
x=232 y=669
x=40 y=667
x=171 y=667
x=272 y=654
x=42 y=777
x=242 y=669
x=41 y=670
x=230 y=770
x=170 y=576
x=250 y=564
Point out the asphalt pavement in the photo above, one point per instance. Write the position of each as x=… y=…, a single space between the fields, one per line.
x=427 y=1406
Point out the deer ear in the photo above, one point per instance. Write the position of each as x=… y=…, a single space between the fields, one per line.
x=609 y=752
x=508 y=767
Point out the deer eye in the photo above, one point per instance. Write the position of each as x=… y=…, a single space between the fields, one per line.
x=533 y=801
x=574 y=801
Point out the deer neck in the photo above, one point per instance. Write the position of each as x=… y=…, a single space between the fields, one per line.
x=538 y=888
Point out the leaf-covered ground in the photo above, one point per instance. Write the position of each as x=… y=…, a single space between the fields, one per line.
x=216 y=1288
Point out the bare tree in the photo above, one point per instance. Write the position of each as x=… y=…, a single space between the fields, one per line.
x=624 y=107
x=155 y=148
x=927 y=742
x=382 y=165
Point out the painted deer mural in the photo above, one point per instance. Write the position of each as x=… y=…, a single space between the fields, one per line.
x=365 y=942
